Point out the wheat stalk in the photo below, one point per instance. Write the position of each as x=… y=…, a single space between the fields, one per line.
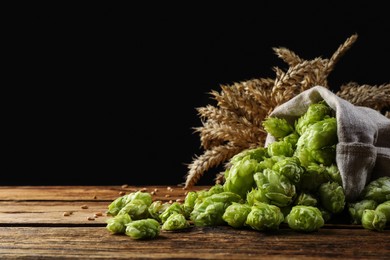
x=287 y=56
x=376 y=97
x=209 y=159
x=343 y=48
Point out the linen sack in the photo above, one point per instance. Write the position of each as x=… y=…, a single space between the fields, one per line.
x=363 y=148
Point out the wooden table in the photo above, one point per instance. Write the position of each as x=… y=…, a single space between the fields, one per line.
x=33 y=226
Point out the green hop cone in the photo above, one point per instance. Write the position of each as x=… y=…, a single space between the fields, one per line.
x=356 y=209
x=137 y=209
x=210 y=215
x=292 y=139
x=268 y=163
x=175 y=207
x=385 y=209
x=240 y=178
x=378 y=190
x=305 y=218
x=189 y=203
x=115 y=206
x=256 y=195
x=258 y=154
x=315 y=144
x=120 y=205
x=275 y=187
x=289 y=167
x=373 y=220
x=117 y=224
x=236 y=214
x=146 y=197
x=264 y=217
x=313 y=177
x=175 y=221
x=332 y=197
x=280 y=148
x=306 y=199
x=325 y=155
x=210 y=211
x=334 y=173
x=277 y=127
x=305 y=157
x=321 y=134
x=315 y=112
x=143 y=229
x=157 y=208
x=203 y=194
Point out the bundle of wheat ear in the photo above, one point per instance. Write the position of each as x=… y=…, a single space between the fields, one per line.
x=235 y=123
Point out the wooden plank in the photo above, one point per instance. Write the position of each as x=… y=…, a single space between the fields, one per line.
x=47 y=205
x=198 y=242
x=32 y=225
x=52 y=213
x=85 y=193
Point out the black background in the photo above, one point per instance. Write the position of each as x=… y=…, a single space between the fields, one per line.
x=106 y=94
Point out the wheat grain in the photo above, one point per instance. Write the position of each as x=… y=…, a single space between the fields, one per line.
x=287 y=56
x=375 y=97
x=209 y=159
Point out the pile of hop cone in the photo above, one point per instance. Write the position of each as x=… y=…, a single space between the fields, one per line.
x=236 y=122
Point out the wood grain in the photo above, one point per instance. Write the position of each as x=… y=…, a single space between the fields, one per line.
x=51 y=213
x=46 y=205
x=86 y=193
x=196 y=243
x=32 y=226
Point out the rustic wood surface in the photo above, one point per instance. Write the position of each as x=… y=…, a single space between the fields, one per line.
x=32 y=226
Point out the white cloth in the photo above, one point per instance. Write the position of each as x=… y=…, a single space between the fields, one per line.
x=363 y=149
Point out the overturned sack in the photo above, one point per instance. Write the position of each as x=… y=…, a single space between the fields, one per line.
x=363 y=148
